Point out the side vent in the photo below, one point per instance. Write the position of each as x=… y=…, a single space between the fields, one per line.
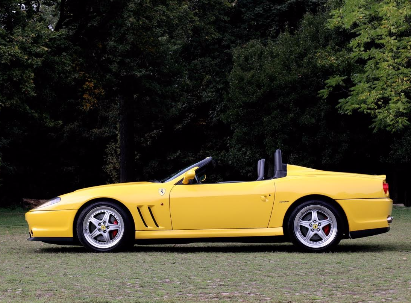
x=154 y=220
x=141 y=216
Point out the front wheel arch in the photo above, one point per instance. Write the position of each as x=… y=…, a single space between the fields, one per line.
x=326 y=199
x=100 y=199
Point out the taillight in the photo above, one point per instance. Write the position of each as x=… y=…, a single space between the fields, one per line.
x=385 y=187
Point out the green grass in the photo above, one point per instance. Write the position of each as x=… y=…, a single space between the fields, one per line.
x=374 y=269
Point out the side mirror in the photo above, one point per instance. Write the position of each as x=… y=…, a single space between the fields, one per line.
x=189 y=175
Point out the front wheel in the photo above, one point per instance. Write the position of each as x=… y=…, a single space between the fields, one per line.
x=104 y=226
x=315 y=226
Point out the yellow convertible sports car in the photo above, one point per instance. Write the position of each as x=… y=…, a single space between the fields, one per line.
x=313 y=209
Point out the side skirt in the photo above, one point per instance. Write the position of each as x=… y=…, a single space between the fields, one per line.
x=249 y=240
x=208 y=233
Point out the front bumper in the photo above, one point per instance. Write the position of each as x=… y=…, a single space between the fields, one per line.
x=54 y=240
x=50 y=224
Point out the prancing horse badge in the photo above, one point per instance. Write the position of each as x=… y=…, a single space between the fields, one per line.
x=162 y=191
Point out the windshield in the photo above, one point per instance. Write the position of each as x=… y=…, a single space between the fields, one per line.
x=174 y=175
x=198 y=164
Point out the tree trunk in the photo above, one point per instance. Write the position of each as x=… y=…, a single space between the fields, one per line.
x=399 y=179
x=126 y=139
x=62 y=16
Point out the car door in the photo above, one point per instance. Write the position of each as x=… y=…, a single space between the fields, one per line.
x=222 y=205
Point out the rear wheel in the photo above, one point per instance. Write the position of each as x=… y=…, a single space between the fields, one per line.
x=104 y=226
x=315 y=226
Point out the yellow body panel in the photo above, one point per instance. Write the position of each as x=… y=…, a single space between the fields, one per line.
x=302 y=182
x=367 y=213
x=132 y=195
x=257 y=208
x=222 y=205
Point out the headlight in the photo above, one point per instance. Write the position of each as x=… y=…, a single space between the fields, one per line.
x=49 y=203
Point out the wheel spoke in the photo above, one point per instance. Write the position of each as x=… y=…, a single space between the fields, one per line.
x=322 y=234
x=309 y=235
x=94 y=221
x=106 y=237
x=315 y=215
x=106 y=217
x=305 y=224
x=113 y=227
x=324 y=223
x=95 y=233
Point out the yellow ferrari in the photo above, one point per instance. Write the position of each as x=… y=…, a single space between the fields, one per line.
x=314 y=209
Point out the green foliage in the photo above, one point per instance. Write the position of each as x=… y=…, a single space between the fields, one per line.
x=22 y=49
x=24 y=46
x=274 y=99
x=230 y=79
x=380 y=51
x=266 y=19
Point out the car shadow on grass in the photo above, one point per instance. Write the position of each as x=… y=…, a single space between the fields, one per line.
x=236 y=247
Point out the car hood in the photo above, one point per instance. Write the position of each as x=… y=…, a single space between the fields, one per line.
x=114 y=186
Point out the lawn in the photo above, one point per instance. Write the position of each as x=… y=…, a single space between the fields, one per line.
x=374 y=269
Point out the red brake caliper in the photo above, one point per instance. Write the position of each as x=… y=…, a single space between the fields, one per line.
x=115 y=231
x=326 y=229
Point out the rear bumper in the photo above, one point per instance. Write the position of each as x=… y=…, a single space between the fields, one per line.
x=367 y=214
x=368 y=232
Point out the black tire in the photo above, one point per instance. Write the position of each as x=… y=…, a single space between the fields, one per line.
x=315 y=226
x=105 y=227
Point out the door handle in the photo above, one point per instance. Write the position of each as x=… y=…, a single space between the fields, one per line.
x=264 y=198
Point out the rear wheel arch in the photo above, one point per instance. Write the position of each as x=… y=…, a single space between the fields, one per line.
x=325 y=199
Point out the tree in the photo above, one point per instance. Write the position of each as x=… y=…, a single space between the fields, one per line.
x=131 y=48
x=374 y=77
x=91 y=87
x=24 y=39
x=266 y=19
x=274 y=103
x=379 y=50
x=22 y=49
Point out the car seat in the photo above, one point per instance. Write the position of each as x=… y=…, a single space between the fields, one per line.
x=261 y=169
